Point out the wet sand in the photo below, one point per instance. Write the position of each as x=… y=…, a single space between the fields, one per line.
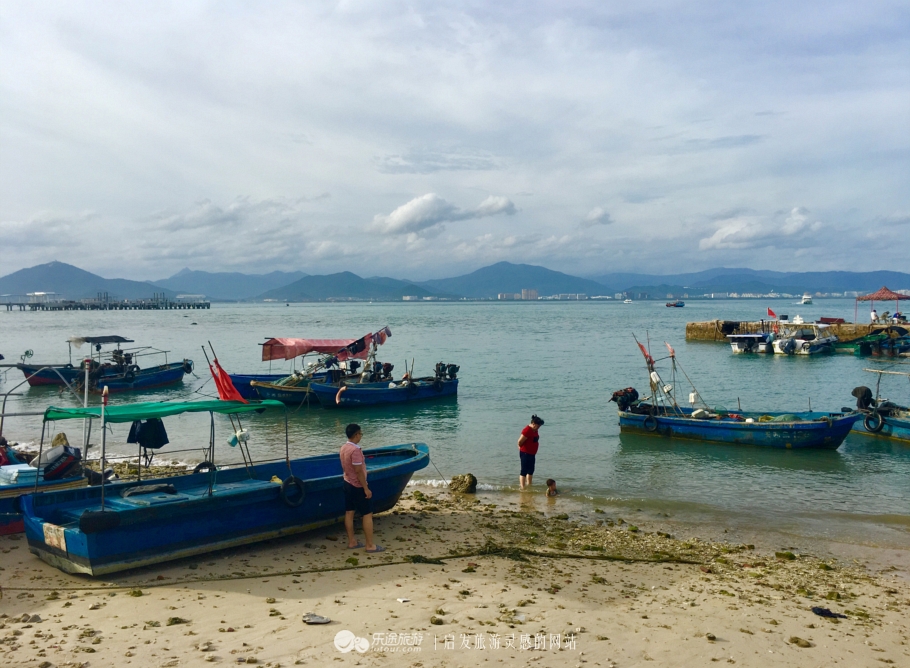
x=520 y=580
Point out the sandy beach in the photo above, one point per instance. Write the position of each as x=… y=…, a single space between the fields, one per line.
x=466 y=581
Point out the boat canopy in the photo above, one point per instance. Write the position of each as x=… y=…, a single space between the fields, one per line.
x=882 y=295
x=79 y=340
x=287 y=349
x=157 y=409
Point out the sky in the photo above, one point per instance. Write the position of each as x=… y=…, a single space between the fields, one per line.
x=427 y=139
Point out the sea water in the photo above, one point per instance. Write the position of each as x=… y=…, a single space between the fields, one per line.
x=560 y=360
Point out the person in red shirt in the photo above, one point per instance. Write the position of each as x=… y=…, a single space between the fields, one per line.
x=528 y=443
x=358 y=498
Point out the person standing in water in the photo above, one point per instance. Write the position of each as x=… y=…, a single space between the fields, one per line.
x=528 y=443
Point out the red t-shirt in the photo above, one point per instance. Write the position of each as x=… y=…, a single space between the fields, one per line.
x=530 y=445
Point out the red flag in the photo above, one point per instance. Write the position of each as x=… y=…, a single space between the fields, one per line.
x=771 y=314
x=226 y=389
x=648 y=358
x=670 y=348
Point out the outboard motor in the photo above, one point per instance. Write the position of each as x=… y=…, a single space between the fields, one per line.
x=387 y=370
x=452 y=370
x=330 y=362
x=625 y=398
x=353 y=365
x=441 y=370
x=788 y=346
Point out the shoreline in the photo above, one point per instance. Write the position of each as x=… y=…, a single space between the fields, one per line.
x=474 y=570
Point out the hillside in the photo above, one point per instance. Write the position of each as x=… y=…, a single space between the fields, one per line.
x=71 y=282
x=228 y=286
x=344 y=286
x=507 y=277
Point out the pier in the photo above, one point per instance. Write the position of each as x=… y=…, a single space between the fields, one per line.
x=717 y=330
x=158 y=302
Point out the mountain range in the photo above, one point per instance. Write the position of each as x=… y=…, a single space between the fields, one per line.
x=485 y=283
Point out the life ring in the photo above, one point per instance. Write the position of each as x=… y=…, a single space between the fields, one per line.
x=650 y=423
x=874 y=423
x=204 y=466
x=187 y=366
x=287 y=483
x=437 y=385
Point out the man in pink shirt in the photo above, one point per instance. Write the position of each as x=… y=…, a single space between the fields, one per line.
x=357 y=495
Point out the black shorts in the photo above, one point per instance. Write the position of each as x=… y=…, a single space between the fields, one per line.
x=527 y=463
x=356 y=499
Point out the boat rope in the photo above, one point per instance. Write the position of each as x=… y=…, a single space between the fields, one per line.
x=447 y=482
x=490 y=549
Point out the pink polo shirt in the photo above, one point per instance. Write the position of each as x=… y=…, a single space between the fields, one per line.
x=351 y=456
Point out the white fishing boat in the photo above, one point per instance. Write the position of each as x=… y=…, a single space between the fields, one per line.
x=627 y=301
x=751 y=343
x=802 y=338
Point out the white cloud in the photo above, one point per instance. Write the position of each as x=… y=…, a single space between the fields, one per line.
x=596 y=216
x=430 y=210
x=743 y=232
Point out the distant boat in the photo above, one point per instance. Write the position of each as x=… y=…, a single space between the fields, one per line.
x=627 y=301
x=661 y=415
x=807 y=299
x=679 y=303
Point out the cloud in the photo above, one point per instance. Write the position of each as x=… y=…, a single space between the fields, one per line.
x=428 y=162
x=743 y=232
x=596 y=216
x=430 y=210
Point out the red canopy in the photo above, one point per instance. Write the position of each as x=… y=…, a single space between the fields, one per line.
x=286 y=349
x=883 y=295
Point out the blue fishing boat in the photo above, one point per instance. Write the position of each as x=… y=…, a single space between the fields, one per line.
x=133 y=378
x=375 y=394
x=66 y=372
x=882 y=417
x=247 y=391
x=110 y=528
x=659 y=414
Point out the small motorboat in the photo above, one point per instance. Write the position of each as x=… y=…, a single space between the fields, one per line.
x=677 y=304
x=627 y=301
x=751 y=343
x=881 y=416
x=354 y=395
x=807 y=299
x=111 y=528
x=660 y=414
x=802 y=338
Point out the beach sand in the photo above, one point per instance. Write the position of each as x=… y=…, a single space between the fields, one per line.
x=512 y=574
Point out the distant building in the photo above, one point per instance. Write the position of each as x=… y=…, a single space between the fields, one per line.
x=528 y=294
x=508 y=296
x=41 y=297
x=190 y=299
x=581 y=296
x=618 y=295
x=430 y=299
x=410 y=298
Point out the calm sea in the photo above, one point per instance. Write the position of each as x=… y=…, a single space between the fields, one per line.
x=561 y=360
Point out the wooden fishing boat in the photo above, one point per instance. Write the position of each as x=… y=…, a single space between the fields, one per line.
x=660 y=414
x=375 y=394
x=679 y=303
x=242 y=381
x=66 y=372
x=882 y=417
x=105 y=529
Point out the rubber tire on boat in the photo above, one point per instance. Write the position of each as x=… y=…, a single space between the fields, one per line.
x=411 y=388
x=650 y=423
x=204 y=466
x=288 y=482
x=187 y=366
x=437 y=385
x=874 y=423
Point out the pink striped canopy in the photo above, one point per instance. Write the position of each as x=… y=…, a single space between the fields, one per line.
x=286 y=349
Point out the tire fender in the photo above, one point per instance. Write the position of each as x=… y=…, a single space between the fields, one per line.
x=650 y=423
x=291 y=500
x=204 y=466
x=874 y=423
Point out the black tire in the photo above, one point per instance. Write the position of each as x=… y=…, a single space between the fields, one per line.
x=187 y=366
x=874 y=423
x=412 y=388
x=129 y=376
x=650 y=423
x=204 y=466
x=289 y=500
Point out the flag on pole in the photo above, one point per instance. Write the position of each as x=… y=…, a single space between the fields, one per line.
x=648 y=358
x=771 y=314
x=226 y=389
x=670 y=348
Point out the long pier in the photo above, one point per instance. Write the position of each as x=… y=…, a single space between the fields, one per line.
x=717 y=330
x=108 y=305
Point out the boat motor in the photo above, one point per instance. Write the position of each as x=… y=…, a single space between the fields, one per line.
x=625 y=398
x=353 y=365
x=440 y=369
x=387 y=370
x=452 y=370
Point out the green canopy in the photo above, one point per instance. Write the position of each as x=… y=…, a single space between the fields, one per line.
x=157 y=409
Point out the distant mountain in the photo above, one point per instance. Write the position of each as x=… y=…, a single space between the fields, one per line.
x=346 y=286
x=73 y=283
x=507 y=277
x=228 y=286
x=751 y=280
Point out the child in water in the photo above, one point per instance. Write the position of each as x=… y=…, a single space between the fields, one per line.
x=551 y=487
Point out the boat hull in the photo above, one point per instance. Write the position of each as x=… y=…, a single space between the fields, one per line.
x=376 y=394
x=788 y=435
x=290 y=396
x=11 y=519
x=145 y=379
x=242 y=382
x=894 y=428
x=244 y=507
x=38 y=376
